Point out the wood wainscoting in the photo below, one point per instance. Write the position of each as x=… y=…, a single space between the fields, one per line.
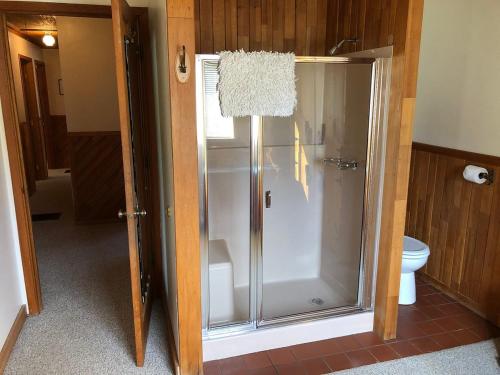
x=279 y=25
x=97 y=176
x=460 y=221
x=57 y=142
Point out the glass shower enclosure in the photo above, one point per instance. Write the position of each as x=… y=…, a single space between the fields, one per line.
x=285 y=200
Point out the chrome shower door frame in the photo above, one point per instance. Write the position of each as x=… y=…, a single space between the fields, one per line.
x=371 y=212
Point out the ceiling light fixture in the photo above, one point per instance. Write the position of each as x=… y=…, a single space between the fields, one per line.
x=49 y=40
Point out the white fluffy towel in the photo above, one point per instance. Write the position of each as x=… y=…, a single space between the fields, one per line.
x=257 y=83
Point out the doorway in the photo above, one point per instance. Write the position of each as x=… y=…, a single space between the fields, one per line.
x=76 y=206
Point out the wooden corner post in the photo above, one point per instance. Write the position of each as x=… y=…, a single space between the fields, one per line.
x=407 y=32
x=180 y=39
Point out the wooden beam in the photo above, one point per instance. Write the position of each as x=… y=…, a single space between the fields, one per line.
x=181 y=32
x=55 y=9
x=407 y=32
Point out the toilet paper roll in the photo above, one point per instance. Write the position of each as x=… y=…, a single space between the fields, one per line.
x=472 y=173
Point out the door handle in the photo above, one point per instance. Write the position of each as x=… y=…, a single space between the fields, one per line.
x=122 y=214
x=268 y=199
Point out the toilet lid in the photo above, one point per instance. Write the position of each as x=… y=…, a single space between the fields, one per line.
x=414 y=248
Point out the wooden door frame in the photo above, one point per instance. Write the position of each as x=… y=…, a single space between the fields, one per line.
x=14 y=147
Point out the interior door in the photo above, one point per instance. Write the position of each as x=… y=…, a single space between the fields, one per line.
x=38 y=168
x=45 y=124
x=135 y=167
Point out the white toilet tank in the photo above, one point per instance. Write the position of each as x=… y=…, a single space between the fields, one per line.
x=221 y=282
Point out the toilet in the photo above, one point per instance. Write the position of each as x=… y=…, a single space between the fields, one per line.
x=415 y=254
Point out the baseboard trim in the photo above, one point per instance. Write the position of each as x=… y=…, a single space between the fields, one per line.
x=12 y=338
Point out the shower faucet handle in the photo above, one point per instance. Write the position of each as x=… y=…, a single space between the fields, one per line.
x=342 y=164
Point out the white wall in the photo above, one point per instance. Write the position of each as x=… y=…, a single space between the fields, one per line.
x=53 y=74
x=458 y=93
x=12 y=293
x=87 y=58
x=20 y=46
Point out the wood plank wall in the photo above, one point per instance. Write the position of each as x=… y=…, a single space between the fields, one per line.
x=57 y=142
x=298 y=26
x=306 y=27
x=460 y=221
x=97 y=176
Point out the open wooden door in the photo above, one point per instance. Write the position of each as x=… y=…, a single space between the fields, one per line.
x=136 y=166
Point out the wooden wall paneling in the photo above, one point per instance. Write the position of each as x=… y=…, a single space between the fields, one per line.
x=206 y=27
x=357 y=26
x=311 y=28
x=460 y=223
x=97 y=176
x=180 y=31
x=58 y=132
x=372 y=24
x=469 y=271
x=300 y=27
x=332 y=21
x=243 y=22
x=231 y=18
x=289 y=27
x=14 y=149
x=267 y=25
x=255 y=25
x=344 y=22
x=278 y=25
x=321 y=11
x=489 y=297
x=219 y=25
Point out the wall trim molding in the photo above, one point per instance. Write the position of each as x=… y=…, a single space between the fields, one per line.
x=459 y=154
x=10 y=342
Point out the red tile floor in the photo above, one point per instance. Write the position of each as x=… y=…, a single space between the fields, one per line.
x=433 y=323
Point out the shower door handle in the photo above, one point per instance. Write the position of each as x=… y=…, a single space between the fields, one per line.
x=268 y=199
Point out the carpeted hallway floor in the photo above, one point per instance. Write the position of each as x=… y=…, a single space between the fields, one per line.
x=86 y=325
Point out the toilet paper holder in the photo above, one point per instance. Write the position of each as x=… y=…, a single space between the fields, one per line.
x=489 y=177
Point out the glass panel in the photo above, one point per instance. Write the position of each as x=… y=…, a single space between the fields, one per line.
x=228 y=193
x=313 y=209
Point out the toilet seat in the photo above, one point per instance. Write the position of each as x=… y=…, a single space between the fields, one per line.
x=413 y=248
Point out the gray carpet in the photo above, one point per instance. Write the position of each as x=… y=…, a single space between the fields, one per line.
x=86 y=325
x=480 y=359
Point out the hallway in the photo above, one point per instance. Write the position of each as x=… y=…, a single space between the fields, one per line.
x=86 y=324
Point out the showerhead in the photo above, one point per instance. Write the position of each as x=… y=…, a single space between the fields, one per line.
x=340 y=44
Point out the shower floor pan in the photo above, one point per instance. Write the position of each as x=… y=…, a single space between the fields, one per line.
x=290 y=297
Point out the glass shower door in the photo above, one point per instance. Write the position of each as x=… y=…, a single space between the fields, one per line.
x=225 y=185
x=313 y=168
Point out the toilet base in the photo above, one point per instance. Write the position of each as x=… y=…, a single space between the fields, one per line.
x=407 y=290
